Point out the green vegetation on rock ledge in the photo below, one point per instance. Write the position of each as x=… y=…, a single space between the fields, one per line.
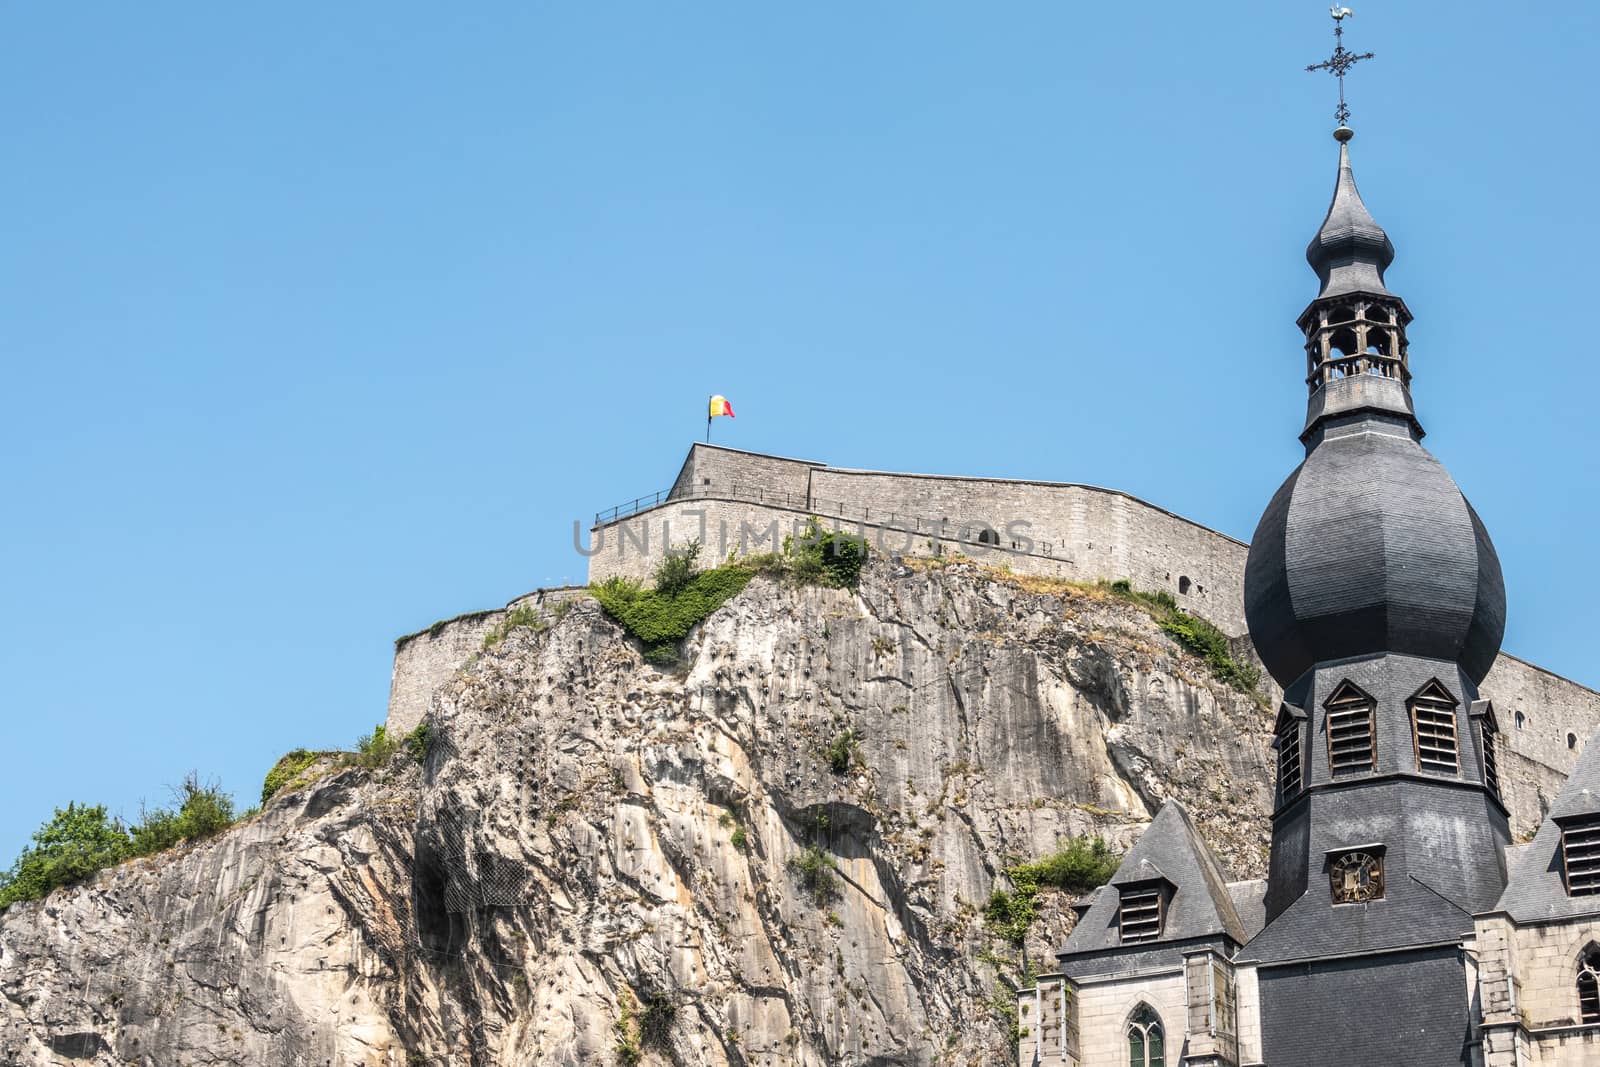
x=641 y=1027
x=81 y=839
x=817 y=873
x=287 y=769
x=1085 y=863
x=683 y=596
x=1193 y=633
x=844 y=752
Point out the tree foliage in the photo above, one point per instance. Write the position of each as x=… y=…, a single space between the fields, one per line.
x=203 y=811
x=77 y=841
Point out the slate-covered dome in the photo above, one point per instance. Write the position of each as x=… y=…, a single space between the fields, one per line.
x=1369 y=547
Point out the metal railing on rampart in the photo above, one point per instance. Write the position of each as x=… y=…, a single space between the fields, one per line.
x=803 y=502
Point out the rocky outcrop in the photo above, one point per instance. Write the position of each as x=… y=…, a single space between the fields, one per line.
x=601 y=862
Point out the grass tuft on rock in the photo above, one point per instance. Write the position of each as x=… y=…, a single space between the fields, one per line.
x=289 y=767
x=817 y=873
x=1084 y=863
x=1195 y=634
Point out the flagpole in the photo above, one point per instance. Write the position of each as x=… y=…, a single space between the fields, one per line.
x=708 y=420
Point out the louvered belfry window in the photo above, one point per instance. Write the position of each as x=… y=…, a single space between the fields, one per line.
x=1433 y=727
x=1580 y=856
x=1140 y=916
x=1488 y=735
x=1291 y=774
x=1351 y=746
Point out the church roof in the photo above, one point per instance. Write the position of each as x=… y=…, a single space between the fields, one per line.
x=1250 y=904
x=1170 y=850
x=1536 y=889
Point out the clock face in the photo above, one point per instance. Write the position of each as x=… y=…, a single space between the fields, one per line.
x=1357 y=877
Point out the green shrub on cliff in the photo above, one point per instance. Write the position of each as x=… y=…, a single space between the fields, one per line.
x=418 y=741
x=79 y=840
x=521 y=617
x=682 y=597
x=375 y=749
x=1085 y=863
x=204 y=810
x=286 y=770
x=827 y=557
x=817 y=872
x=1194 y=633
x=1211 y=644
x=843 y=752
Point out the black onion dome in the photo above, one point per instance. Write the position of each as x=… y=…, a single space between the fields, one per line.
x=1369 y=547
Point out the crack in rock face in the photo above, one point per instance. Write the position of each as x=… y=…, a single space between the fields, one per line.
x=779 y=854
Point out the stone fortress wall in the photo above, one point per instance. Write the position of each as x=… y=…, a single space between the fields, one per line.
x=735 y=502
x=729 y=500
x=425 y=660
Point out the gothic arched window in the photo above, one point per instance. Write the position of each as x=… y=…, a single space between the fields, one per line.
x=1146 y=1041
x=1589 y=985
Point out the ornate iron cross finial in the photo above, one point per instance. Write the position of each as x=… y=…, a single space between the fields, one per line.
x=1342 y=60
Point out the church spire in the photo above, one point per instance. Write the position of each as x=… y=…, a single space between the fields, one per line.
x=1350 y=251
x=1355 y=328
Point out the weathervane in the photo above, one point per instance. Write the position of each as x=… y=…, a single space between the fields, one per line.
x=1340 y=62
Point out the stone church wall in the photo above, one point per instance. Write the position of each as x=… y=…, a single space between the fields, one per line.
x=1528 y=989
x=1105 y=1006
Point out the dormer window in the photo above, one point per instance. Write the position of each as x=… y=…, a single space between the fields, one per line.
x=1289 y=769
x=1487 y=737
x=1580 y=856
x=1352 y=747
x=1291 y=765
x=1140 y=916
x=1433 y=729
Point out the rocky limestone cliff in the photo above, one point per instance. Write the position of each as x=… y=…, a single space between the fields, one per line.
x=594 y=864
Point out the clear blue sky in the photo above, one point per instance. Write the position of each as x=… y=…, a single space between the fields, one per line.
x=323 y=321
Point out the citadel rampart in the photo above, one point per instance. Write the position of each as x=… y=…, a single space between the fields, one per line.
x=730 y=500
x=736 y=502
x=425 y=660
